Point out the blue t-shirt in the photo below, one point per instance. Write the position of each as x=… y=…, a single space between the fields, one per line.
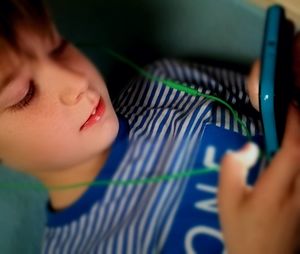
x=163 y=132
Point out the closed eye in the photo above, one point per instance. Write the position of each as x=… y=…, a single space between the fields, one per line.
x=27 y=98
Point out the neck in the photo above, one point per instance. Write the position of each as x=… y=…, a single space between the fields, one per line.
x=85 y=172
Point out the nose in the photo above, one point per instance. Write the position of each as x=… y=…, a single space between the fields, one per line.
x=73 y=86
x=69 y=84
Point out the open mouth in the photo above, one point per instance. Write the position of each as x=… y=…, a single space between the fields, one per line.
x=95 y=116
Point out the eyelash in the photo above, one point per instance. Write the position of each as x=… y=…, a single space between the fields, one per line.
x=27 y=98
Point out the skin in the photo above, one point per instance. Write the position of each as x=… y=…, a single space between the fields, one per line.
x=44 y=138
x=264 y=218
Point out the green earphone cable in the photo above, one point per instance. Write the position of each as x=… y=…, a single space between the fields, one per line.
x=181 y=87
x=149 y=180
x=101 y=183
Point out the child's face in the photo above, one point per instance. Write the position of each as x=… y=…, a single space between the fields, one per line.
x=55 y=88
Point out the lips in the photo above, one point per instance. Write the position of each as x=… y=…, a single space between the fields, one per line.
x=95 y=116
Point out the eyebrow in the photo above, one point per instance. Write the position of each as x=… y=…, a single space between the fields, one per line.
x=5 y=81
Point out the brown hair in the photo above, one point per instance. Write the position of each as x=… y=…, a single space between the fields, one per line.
x=28 y=14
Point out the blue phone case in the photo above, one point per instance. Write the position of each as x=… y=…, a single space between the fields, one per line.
x=275 y=86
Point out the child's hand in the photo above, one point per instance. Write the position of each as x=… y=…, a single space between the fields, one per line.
x=264 y=218
x=252 y=82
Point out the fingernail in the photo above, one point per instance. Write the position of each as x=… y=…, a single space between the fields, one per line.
x=249 y=154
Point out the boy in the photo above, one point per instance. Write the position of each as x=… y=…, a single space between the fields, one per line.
x=58 y=124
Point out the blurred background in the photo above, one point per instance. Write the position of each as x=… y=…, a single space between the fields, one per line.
x=225 y=32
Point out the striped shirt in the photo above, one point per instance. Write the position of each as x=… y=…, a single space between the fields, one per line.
x=163 y=131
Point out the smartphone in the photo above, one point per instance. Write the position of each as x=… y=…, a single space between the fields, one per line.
x=276 y=77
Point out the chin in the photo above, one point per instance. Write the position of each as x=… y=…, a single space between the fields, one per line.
x=112 y=127
x=109 y=130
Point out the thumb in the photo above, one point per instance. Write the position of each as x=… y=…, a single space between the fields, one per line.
x=291 y=137
x=233 y=174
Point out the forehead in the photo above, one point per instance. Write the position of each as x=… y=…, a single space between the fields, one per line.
x=25 y=38
x=30 y=41
x=9 y=60
x=27 y=42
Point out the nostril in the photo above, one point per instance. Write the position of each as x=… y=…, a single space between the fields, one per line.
x=78 y=98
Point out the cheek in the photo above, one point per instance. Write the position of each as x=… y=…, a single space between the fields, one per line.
x=47 y=143
x=36 y=139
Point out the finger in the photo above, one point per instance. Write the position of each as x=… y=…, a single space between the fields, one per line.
x=296 y=195
x=252 y=84
x=233 y=174
x=280 y=175
x=292 y=130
